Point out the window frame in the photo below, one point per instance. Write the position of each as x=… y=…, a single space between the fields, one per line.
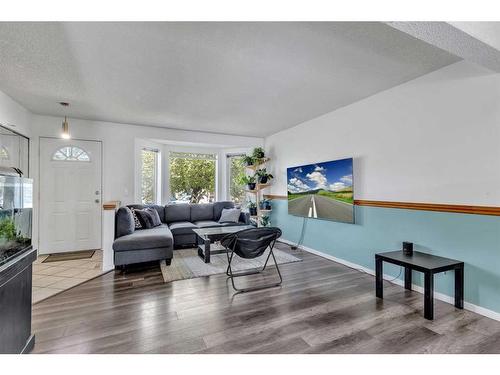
x=229 y=155
x=156 y=172
x=141 y=144
x=222 y=185
x=191 y=150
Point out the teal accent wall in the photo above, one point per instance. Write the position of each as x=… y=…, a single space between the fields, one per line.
x=473 y=239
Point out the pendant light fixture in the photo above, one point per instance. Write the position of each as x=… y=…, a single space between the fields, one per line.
x=65 y=125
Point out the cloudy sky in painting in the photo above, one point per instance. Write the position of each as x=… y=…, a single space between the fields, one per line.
x=333 y=175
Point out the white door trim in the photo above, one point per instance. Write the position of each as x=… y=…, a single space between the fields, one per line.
x=38 y=198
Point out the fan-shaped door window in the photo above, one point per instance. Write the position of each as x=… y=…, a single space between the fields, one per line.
x=71 y=153
x=4 y=153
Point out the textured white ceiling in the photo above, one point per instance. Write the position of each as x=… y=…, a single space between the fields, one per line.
x=487 y=32
x=459 y=39
x=236 y=78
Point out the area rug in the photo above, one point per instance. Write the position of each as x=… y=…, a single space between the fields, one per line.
x=186 y=264
x=73 y=255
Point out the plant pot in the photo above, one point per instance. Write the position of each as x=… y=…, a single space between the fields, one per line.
x=253 y=211
x=267 y=206
x=263 y=180
x=251 y=186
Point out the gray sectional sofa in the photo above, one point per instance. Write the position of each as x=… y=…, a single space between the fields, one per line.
x=176 y=231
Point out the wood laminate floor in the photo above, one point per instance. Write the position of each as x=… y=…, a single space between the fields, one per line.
x=322 y=307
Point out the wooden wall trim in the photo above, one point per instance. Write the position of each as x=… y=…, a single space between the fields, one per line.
x=271 y=196
x=437 y=207
x=112 y=205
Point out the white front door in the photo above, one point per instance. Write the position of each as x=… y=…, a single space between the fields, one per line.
x=70 y=195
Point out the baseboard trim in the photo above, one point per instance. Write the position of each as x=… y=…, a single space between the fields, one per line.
x=417 y=288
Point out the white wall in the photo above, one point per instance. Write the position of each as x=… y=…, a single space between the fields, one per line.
x=434 y=139
x=118 y=144
x=14 y=116
x=119 y=149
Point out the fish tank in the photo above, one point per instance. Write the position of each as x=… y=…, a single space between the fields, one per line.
x=16 y=211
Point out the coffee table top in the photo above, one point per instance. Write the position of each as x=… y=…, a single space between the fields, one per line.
x=207 y=232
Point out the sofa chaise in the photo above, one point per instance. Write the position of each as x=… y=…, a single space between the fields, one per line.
x=178 y=221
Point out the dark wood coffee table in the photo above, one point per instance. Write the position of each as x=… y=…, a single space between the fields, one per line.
x=429 y=265
x=207 y=236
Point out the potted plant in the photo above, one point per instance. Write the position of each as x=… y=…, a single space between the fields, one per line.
x=265 y=221
x=248 y=160
x=263 y=176
x=249 y=181
x=265 y=204
x=258 y=153
x=252 y=208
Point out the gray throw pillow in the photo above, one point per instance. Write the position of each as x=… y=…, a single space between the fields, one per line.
x=230 y=215
x=154 y=215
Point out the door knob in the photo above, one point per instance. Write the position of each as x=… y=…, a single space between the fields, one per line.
x=97 y=200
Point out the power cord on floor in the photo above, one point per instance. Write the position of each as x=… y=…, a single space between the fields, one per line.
x=301 y=240
x=391 y=280
x=302 y=233
x=397 y=277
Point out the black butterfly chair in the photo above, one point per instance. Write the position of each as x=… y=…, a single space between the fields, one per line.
x=248 y=244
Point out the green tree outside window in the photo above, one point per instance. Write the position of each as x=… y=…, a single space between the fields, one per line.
x=236 y=171
x=149 y=159
x=192 y=176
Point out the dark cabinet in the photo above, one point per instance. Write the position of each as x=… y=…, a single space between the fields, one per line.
x=15 y=304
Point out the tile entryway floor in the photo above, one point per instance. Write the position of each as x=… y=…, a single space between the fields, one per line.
x=54 y=277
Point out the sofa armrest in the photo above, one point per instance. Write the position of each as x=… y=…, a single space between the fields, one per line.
x=124 y=222
x=244 y=218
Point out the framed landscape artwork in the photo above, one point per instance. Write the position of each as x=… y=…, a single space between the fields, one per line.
x=322 y=191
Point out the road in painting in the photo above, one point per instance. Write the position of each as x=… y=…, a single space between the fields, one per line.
x=322 y=191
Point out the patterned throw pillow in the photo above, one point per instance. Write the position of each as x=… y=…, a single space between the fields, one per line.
x=136 y=219
x=145 y=218
x=155 y=216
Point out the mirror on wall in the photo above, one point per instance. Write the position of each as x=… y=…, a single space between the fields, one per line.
x=14 y=150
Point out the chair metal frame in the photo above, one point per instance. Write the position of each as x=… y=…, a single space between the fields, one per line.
x=232 y=275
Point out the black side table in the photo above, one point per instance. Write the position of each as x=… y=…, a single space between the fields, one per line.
x=429 y=265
